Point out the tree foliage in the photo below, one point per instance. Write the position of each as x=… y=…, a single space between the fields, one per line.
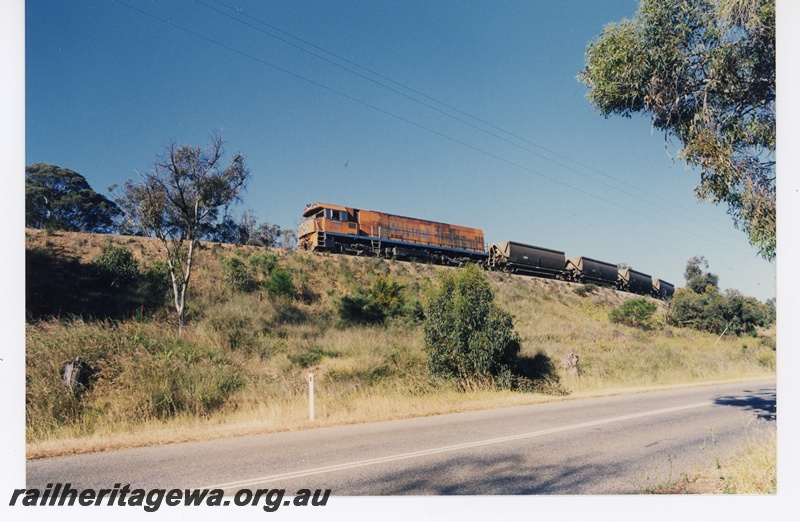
x=179 y=201
x=248 y=231
x=701 y=305
x=697 y=280
x=704 y=71
x=467 y=336
x=263 y=234
x=61 y=199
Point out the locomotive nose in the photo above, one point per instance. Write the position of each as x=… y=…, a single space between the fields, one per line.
x=305 y=227
x=305 y=234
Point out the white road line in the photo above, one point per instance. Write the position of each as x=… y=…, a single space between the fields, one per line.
x=445 y=449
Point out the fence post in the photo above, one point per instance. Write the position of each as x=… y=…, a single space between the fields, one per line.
x=311 y=397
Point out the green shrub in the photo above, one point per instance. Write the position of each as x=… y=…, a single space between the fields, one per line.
x=414 y=310
x=280 y=283
x=387 y=295
x=311 y=357
x=263 y=263
x=383 y=299
x=586 y=289
x=116 y=267
x=467 y=336
x=235 y=275
x=637 y=313
x=359 y=308
x=156 y=283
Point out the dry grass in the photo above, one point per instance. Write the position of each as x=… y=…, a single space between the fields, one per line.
x=753 y=472
x=556 y=321
x=242 y=363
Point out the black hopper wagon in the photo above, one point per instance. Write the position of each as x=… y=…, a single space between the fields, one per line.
x=519 y=258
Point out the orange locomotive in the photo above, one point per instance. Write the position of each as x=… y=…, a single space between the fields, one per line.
x=335 y=228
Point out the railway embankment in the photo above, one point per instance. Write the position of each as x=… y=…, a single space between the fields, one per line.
x=260 y=321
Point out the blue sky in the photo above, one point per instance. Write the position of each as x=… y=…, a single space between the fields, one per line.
x=483 y=122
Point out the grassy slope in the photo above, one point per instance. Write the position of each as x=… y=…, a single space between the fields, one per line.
x=242 y=364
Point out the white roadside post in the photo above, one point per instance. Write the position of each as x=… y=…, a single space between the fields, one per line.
x=311 y=397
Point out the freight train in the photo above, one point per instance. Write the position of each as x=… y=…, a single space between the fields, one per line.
x=345 y=230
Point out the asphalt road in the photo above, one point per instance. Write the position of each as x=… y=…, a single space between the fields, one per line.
x=609 y=445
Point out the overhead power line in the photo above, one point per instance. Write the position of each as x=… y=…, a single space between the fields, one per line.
x=238 y=15
x=411 y=122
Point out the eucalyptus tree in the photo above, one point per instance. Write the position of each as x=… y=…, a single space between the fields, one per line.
x=468 y=337
x=61 y=199
x=704 y=71
x=179 y=201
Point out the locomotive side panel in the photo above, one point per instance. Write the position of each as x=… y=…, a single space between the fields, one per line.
x=429 y=233
x=369 y=223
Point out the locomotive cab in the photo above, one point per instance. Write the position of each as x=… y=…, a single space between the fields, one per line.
x=322 y=220
x=317 y=211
